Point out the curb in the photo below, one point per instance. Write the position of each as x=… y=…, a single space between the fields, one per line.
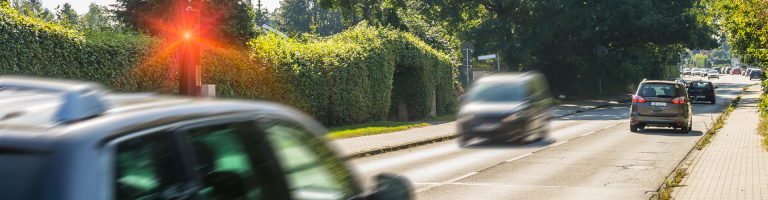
x=452 y=136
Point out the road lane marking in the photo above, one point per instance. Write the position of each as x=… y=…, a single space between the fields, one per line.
x=554 y=145
x=605 y=128
x=527 y=154
x=446 y=182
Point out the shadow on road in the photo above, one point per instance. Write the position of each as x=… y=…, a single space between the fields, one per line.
x=668 y=132
x=500 y=144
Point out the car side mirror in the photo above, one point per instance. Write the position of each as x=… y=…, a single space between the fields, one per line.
x=715 y=87
x=390 y=187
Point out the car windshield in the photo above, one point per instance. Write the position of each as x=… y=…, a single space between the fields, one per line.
x=687 y=69
x=659 y=90
x=496 y=92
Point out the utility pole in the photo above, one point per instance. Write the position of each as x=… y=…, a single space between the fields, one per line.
x=189 y=53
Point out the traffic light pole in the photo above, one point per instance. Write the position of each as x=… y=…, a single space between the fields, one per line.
x=189 y=53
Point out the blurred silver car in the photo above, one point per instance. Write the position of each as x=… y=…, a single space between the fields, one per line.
x=713 y=74
x=509 y=106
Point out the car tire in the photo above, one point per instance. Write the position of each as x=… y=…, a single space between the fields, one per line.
x=632 y=128
x=690 y=126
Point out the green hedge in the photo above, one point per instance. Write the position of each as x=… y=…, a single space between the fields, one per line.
x=351 y=77
x=360 y=74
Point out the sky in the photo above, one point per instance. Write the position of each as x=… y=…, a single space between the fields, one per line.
x=81 y=6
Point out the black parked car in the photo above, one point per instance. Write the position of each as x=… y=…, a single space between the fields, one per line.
x=74 y=141
x=755 y=73
x=506 y=106
x=702 y=91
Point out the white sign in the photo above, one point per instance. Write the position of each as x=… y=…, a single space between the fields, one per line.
x=486 y=57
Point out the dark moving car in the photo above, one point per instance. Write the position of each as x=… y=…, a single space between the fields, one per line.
x=702 y=91
x=74 y=141
x=755 y=73
x=661 y=104
x=505 y=106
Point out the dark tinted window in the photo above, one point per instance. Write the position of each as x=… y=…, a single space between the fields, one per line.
x=224 y=163
x=20 y=174
x=147 y=167
x=659 y=90
x=498 y=92
x=701 y=85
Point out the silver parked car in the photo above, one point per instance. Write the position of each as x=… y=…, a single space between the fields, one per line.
x=713 y=74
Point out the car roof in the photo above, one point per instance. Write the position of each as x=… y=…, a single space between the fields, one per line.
x=660 y=82
x=27 y=115
x=509 y=77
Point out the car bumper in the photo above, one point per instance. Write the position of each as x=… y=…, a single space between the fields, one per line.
x=636 y=119
x=702 y=97
x=485 y=128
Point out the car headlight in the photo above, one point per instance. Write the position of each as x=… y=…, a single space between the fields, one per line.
x=512 y=117
x=465 y=118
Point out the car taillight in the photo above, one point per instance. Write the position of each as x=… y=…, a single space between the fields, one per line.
x=638 y=99
x=678 y=100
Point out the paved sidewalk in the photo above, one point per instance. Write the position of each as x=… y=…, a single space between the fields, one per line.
x=735 y=164
x=357 y=145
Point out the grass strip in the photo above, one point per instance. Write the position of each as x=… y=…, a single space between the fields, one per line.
x=718 y=123
x=372 y=128
x=665 y=192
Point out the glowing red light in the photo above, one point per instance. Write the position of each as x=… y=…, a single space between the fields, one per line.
x=678 y=100
x=638 y=99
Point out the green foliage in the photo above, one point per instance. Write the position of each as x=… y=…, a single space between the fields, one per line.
x=230 y=21
x=31 y=46
x=745 y=24
x=370 y=129
x=360 y=74
x=375 y=12
x=347 y=78
x=558 y=37
x=305 y=16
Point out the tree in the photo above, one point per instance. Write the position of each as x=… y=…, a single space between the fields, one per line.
x=744 y=25
x=229 y=21
x=67 y=14
x=375 y=12
x=28 y=7
x=306 y=16
x=97 y=18
x=558 y=37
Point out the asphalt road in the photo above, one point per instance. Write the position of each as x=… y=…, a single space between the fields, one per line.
x=589 y=155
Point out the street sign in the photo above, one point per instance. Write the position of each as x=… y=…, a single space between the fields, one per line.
x=486 y=57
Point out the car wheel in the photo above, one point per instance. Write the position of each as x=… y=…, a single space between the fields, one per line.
x=632 y=128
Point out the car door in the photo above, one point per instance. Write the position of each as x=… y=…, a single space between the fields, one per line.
x=230 y=159
x=310 y=167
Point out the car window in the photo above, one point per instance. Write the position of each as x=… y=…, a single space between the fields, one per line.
x=20 y=179
x=497 y=92
x=223 y=162
x=700 y=85
x=309 y=166
x=145 y=168
x=659 y=90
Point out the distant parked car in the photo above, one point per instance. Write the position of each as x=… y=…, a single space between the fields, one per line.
x=686 y=72
x=727 y=70
x=506 y=106
x=661 y=104
x=746 y=72
x=717 y=69
x=755 y=73
x=736 y=71
x=713 y=74
x=702 y=91
x=704 y=73
x=696 y=72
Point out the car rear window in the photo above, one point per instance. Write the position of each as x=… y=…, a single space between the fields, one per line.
x=659 y=90
x=701 y=85
x=20 y=179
